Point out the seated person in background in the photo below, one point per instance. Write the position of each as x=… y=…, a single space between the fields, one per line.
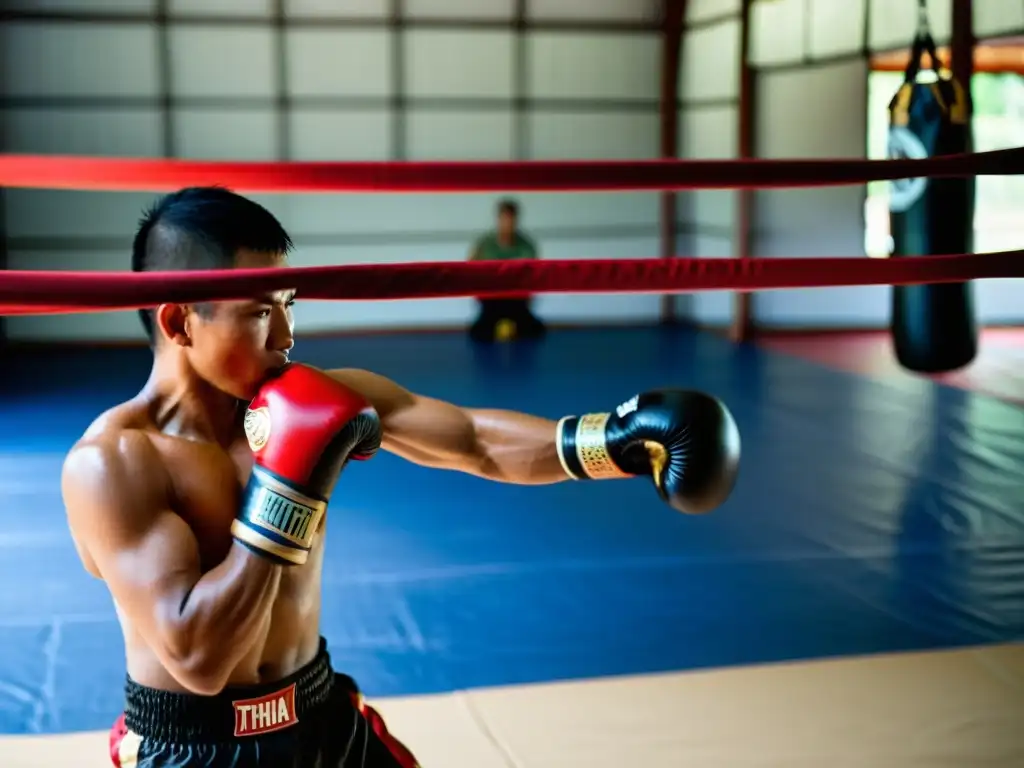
x=511 y=316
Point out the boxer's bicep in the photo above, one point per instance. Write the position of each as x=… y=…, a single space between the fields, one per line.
x=117 y=501
x=502 y=445
x=421 y=429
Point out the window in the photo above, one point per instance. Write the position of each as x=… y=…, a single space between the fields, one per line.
x=998 y=123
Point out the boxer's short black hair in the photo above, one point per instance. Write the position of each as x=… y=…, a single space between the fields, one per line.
x=509 y=206
x=202 y=228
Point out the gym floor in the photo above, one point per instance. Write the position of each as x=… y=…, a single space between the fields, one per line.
x=859 y=601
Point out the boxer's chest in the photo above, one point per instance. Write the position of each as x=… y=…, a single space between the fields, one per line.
x=208 y=485
x=208 y=482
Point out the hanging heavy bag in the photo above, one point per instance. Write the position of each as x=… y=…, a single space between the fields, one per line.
x=933 y=326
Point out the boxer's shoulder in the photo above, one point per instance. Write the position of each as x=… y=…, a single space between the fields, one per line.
x=131 y=418
x=384 y=394
x=111 y=461
x=113 y=478
x=121 y=435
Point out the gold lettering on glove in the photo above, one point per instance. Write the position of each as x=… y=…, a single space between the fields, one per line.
x=284 y=512
x=592 y=448
x=286 y=517
x=257 y=428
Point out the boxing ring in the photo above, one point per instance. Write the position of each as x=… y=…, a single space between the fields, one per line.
x=859 y=600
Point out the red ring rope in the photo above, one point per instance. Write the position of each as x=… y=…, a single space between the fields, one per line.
x=24 y=293
x=33 y=292
x=116 y=174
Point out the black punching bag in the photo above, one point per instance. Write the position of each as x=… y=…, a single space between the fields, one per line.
x=933 y=326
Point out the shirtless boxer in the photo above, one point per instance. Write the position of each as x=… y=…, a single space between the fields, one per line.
x=201 y=502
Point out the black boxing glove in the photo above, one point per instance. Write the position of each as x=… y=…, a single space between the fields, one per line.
x=686 y=441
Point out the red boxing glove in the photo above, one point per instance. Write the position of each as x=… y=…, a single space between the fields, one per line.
x=302 y=426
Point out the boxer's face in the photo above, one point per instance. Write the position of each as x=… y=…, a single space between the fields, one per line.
x=506 y=225
x=235 y=344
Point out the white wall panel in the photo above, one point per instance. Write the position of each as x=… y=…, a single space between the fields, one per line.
x=318 y=316
x=106 y=6
x=219 y=61
x=836 y=28
x=564 y=308
x=337 y=62
x=83 y=131
x=353 y=315
x=893 y=24
x=56 y=59
x=214 y=134
x=314 y=316
x=327 y=135
x=998 y=302
x=459 y=9
x=433 y=135
x=594 y=66
x=349 y=316
x=778 y=31
x=599 y=308
x=50 y=213
x=824 y=308
x=705 y=10
x=817 y=111
x=221 y=7
x=460 y=218
x=214 y=61
x=386 y=214
x=590 y=10
x=714 y=308
x=457 y=64
x=637 y=215
x=995 y=17
x=602 y=307
x=815 y=222
x=715 y=208
x=597 y=209
x=572 y=136
x=85 y=326
x=373 y=9
x=708 y=132
x=710 y=63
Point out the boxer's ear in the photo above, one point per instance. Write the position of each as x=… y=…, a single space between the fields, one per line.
x=172 y=320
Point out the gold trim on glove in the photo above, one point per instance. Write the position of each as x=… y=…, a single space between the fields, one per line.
x=278 y=519
x=255 y=539
x=658 y=455
x=592 y=449
x=559 y=432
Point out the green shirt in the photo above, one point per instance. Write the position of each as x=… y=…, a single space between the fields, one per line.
x=488 y=248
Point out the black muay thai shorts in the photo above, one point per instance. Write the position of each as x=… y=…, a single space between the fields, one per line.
x=315 y=718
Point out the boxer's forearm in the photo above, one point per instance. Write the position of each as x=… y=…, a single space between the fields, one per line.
x=220 y=617
x=517 y=447
x=505 y=446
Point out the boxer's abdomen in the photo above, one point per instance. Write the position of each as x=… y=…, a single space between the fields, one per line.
x=207 y=484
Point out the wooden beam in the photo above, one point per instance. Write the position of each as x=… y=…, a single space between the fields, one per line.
x=742 y=318
x=961 y=47
x=671 y=49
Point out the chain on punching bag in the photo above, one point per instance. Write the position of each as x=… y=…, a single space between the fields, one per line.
x=933 y=326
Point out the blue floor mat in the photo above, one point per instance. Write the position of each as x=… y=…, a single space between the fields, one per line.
x=869 y=516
